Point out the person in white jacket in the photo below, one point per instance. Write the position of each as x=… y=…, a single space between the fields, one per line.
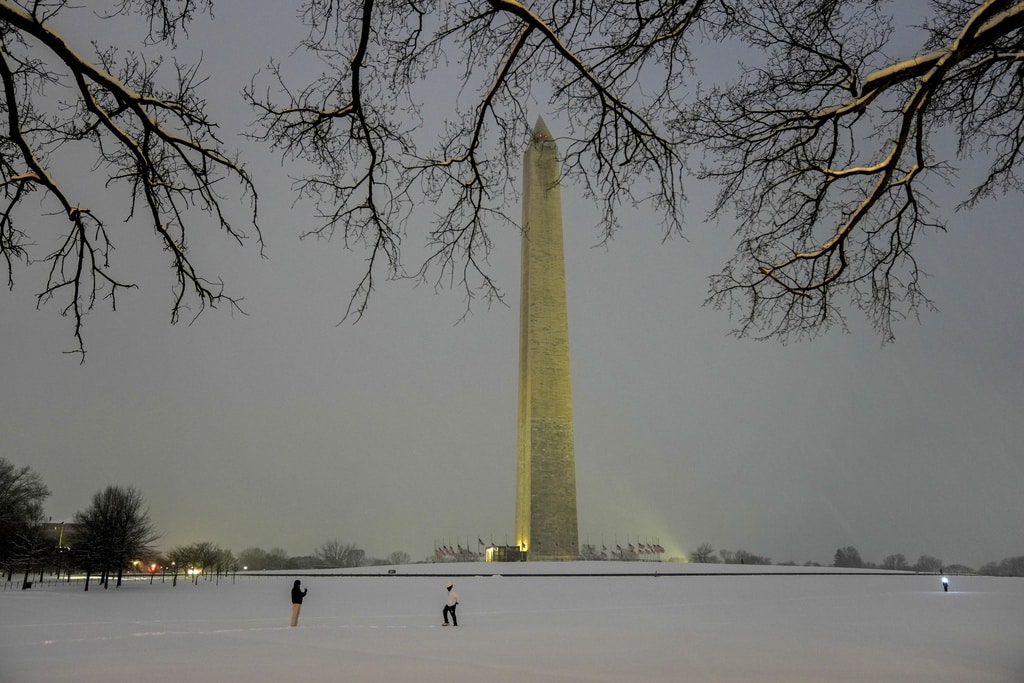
x=453 y=600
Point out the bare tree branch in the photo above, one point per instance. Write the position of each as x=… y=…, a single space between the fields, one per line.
x=825 y=148
x=360 y=124
x=157 y=143
x=827 y=170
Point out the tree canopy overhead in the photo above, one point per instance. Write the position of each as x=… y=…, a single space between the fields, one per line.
x=142 y=120
x=825 y=147
x=827 y=150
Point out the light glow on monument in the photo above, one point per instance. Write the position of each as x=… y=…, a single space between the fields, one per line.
x=546 y=524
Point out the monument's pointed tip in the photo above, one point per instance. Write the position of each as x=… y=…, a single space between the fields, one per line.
x=540 y=129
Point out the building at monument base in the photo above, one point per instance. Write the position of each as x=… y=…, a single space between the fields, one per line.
x=503 y=553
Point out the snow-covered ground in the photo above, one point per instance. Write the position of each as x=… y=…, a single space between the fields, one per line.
x=692 y=627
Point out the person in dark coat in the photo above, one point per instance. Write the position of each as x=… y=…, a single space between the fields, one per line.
x=297 y=595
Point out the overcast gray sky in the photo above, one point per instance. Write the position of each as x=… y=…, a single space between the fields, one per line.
x=283 y=429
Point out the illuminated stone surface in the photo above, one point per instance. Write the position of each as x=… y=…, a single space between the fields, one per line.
x=546 y=523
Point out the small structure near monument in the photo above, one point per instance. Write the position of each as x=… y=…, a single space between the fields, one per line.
x=504 y=553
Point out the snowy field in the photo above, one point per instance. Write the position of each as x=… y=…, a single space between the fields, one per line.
x=778 y=626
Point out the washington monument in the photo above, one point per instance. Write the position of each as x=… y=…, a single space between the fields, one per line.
x=546 y=474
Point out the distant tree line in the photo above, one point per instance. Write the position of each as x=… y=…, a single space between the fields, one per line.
x=705 y=554
x=331 y=554
x=849 y=557
x=114 y=535
x=102 y=541
x=200 y=559
x=1011 y=566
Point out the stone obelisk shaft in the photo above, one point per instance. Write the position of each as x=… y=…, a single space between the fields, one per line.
x=546 y=525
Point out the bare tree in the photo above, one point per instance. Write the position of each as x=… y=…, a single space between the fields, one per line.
x=826 y=150
x=334 y=553
x=253 y=558
x=112 y=531
x=398 y=557
x=897 y=561
x=927 y=563
x=848 y=557
x=203 y=558
x=824 y=147
x=148 y=133
x=361 y=123
x=22 y=494
x=275 y=558
x=704 y=554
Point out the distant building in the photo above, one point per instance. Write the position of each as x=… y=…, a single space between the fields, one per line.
x=504 y=553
